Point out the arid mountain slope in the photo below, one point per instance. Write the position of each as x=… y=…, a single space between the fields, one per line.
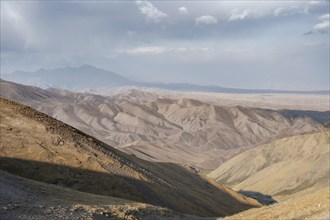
x=36 y=146
x=280 y=168
x=184 y=131
x=22 y=198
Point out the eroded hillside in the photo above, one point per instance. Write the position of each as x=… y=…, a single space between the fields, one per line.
x=184 y=130
x=282 y=167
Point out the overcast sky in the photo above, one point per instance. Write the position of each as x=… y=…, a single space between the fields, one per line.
x=243 y=44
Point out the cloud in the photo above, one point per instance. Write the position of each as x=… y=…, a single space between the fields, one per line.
x=206 y=19
x=183 y=10
x=146 y=50
x=150 y=11
x=316 y=2
x=77 y=32
x=191 y=49
x=324 y=17
x=154 y=50
x=20 y=33
x=236 y=14
x=292 y=10
x=278 y=11
x=322 y=26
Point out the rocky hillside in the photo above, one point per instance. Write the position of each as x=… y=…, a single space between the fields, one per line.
x=36 y=146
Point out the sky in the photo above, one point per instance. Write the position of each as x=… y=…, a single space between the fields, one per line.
x=241 y=44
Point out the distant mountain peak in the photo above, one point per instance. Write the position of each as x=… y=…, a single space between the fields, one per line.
x=67 y=68
x=87 y=77
x=70 y=78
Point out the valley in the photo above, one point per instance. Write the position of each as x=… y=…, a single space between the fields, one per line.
x=164 y=110
x=38 y=147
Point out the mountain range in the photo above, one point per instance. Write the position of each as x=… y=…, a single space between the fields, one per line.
x=88 y=77
x=38 y=147
x=185 y=131
x=146 y=154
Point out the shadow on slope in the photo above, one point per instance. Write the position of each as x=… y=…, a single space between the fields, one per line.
x=261 y=198
x=123 y=187
x=23 y=198
x=319 y=116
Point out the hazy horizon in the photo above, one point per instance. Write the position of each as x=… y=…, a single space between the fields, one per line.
x=282 y=45
x=155 y=82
